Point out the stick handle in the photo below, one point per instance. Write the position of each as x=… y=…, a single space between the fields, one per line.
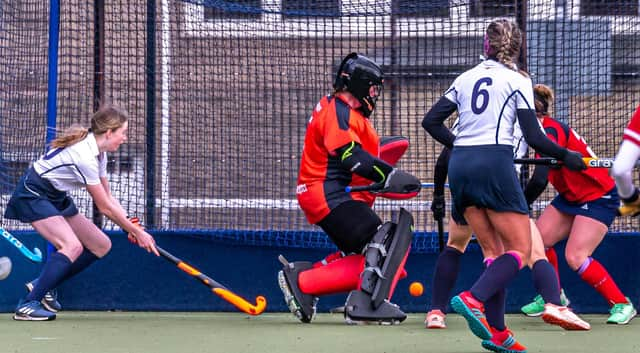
x=590 y=162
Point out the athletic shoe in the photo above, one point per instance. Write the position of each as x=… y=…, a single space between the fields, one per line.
x=536 y=307
x=473 y=311
x=503 y=342
x=435 y=319
x=32 y=311
x=301 y=305
x=563 y=317
x=50 y=299
x=622 y=313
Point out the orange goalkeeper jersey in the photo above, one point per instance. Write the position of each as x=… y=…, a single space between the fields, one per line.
x=322 y=178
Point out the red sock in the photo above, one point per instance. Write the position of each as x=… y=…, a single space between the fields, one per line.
x=329 y=258
x=597 y=276
x=553 y=260
x=339 y=276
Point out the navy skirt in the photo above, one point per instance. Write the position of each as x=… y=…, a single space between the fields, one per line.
x=35 y=198
x=603 y=209
x=484 y=176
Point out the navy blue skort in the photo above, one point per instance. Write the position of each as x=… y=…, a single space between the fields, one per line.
x=484 y=176
x=35 y=198
x=602 y=209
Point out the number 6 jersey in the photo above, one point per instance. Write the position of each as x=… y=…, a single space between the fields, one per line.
x=488 y=97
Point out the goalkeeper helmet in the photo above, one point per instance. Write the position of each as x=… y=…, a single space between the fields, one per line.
x=358 y=74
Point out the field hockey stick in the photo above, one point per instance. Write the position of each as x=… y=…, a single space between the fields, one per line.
x=35 y=255
x=588 y=161
x=217 y=288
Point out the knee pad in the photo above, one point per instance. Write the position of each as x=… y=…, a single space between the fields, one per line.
x=385 y=256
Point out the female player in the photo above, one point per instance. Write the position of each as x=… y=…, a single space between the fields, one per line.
x=624 y=164
x=489 y=99
x=77 y=159
x=341 y=148
x=581 y=213
x=446 y=269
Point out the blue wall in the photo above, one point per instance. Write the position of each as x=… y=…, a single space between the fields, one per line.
x=130 y=279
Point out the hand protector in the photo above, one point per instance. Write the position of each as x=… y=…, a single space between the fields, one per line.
x=573 y=160
x=399 y=182
x=631 y=206
x=438 y=206
x=392 y=148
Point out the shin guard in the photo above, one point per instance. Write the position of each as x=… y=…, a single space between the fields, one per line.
x=395 y=259
x=384 y=264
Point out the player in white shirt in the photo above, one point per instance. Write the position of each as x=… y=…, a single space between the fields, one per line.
x=489 y=99
x=624 y=164
x=77 y=159
x=447 y=265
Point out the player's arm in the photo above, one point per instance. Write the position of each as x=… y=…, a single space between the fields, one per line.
x=355 y=159
x=536 y=139
x=623 y=167
x=115 y=203
x=440 y=171
x=622 y=172
x=114 y=211
x=537 y=183
x=439 y=179
x=433 y=121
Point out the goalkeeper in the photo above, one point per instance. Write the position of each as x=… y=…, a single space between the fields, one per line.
x=341 y=148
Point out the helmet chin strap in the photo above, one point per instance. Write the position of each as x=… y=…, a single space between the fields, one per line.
x=367 y=105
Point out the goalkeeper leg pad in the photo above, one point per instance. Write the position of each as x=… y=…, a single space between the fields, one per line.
x=385 y=256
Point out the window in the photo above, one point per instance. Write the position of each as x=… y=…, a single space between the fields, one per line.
x=605 y=8
x=421 y=8
x=492 y=8
x=236 y=9
x=313 y=8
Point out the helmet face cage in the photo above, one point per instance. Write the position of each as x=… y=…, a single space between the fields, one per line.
x=358 y=74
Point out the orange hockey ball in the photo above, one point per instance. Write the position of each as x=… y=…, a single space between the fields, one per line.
x=416 y=289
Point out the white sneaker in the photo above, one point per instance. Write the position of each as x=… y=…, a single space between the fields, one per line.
x=563 y=317
x=435 y=319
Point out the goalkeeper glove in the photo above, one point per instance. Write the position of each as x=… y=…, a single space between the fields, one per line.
x=630 y=206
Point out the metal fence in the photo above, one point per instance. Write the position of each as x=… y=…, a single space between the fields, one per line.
x=219 y=92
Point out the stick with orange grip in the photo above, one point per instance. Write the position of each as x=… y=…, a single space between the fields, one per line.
x=217 y=288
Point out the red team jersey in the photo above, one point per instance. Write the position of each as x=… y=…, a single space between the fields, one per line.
x=632 y=132
x=578 y=187
x=322 y=179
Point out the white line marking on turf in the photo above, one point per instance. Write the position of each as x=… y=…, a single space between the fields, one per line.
x=44 y=338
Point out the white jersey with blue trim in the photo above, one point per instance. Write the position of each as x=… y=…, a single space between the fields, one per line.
x=74 y=166
x=520 y=146
x=488 y=97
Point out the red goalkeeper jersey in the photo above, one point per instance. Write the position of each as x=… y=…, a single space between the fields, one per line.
x=322 y=178
x=578 y=187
